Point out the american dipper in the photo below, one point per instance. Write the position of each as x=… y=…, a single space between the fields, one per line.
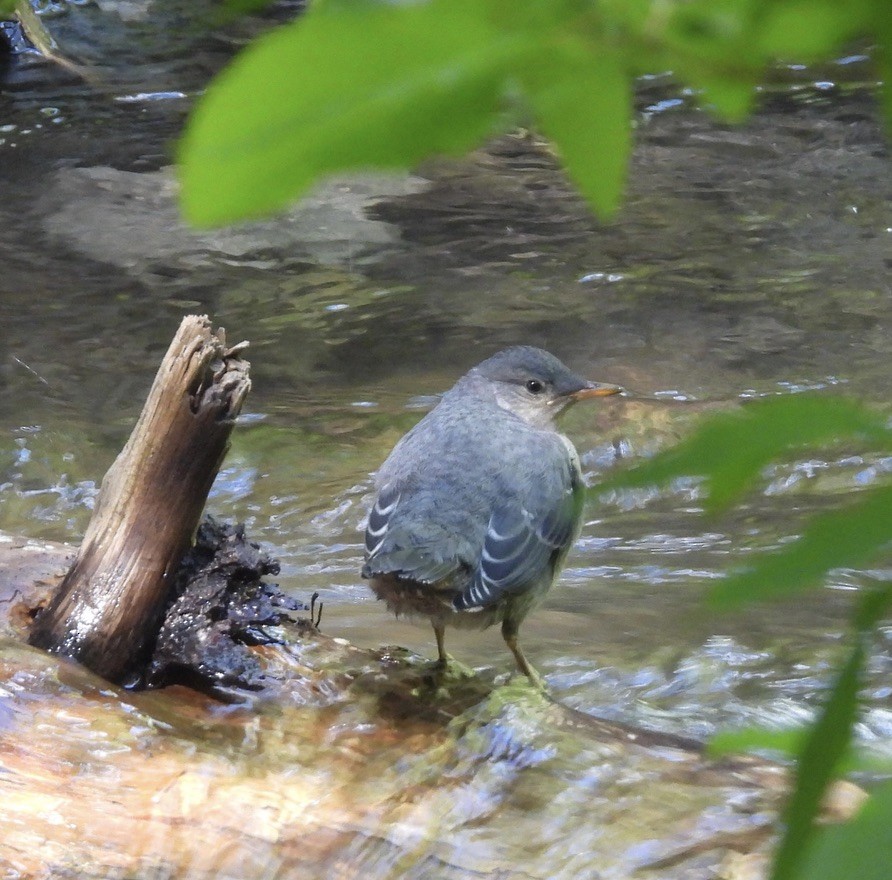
x=479 y=503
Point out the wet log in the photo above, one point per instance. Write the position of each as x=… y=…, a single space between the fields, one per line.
x=108 y=608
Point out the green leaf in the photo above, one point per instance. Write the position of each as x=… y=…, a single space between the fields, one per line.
x=732 y=448
x=811 y=29
x=732 y=96
x=537 y=18
x=826 y=743
x=371 y=86
x=862 y=848
x=789 y=742
x=749 y=739
x=627 y=14
x=709 y=27
x=824 y=747
x=883 y=31
x=847 y=538
x=582 y=101
x=712 y=46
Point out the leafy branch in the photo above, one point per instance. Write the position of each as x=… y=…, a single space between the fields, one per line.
x=368 y=83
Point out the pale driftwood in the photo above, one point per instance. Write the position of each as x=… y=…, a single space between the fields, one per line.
x=108 y=608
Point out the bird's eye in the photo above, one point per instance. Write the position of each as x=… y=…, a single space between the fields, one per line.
x=534 y=386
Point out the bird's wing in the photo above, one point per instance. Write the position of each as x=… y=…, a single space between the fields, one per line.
x=379 y=519
x=520 y=547
x=394 y=550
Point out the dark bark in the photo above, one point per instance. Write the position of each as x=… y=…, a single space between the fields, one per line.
x=107 y=612
x=223 y=609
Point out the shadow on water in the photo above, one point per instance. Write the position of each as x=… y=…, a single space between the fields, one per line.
x=746 y=261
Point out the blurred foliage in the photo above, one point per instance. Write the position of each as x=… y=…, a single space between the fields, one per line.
x=371 y=83
x=731 y=451
x=851 y=537
x=823 y=749
x=862 y=848
x=243 y=7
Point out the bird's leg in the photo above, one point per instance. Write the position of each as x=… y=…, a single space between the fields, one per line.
x=440 y=633
x=445 y=665
x=509 y=632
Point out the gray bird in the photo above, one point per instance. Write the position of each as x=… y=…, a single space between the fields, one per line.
x=479 y=503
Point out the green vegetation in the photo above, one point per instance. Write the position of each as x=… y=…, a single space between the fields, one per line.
x=730 y=451
x=368 y=83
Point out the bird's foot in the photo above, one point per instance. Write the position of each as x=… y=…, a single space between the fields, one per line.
x=442 y=677
x=533 y=678
x=449 y=668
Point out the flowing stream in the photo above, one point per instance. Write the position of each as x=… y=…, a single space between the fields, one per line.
x=746 y=261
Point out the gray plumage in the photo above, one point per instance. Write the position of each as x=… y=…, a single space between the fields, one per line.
x=479 y=503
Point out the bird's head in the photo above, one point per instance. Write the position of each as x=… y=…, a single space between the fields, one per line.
x=533 y=384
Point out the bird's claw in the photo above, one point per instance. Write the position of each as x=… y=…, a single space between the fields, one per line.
x=449 y=668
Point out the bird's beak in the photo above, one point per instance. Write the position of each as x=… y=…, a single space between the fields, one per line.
x=595 y=389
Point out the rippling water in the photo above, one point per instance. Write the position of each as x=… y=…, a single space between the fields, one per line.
x=746 y=261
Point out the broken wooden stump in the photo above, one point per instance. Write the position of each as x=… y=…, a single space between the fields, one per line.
x=108 y=608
